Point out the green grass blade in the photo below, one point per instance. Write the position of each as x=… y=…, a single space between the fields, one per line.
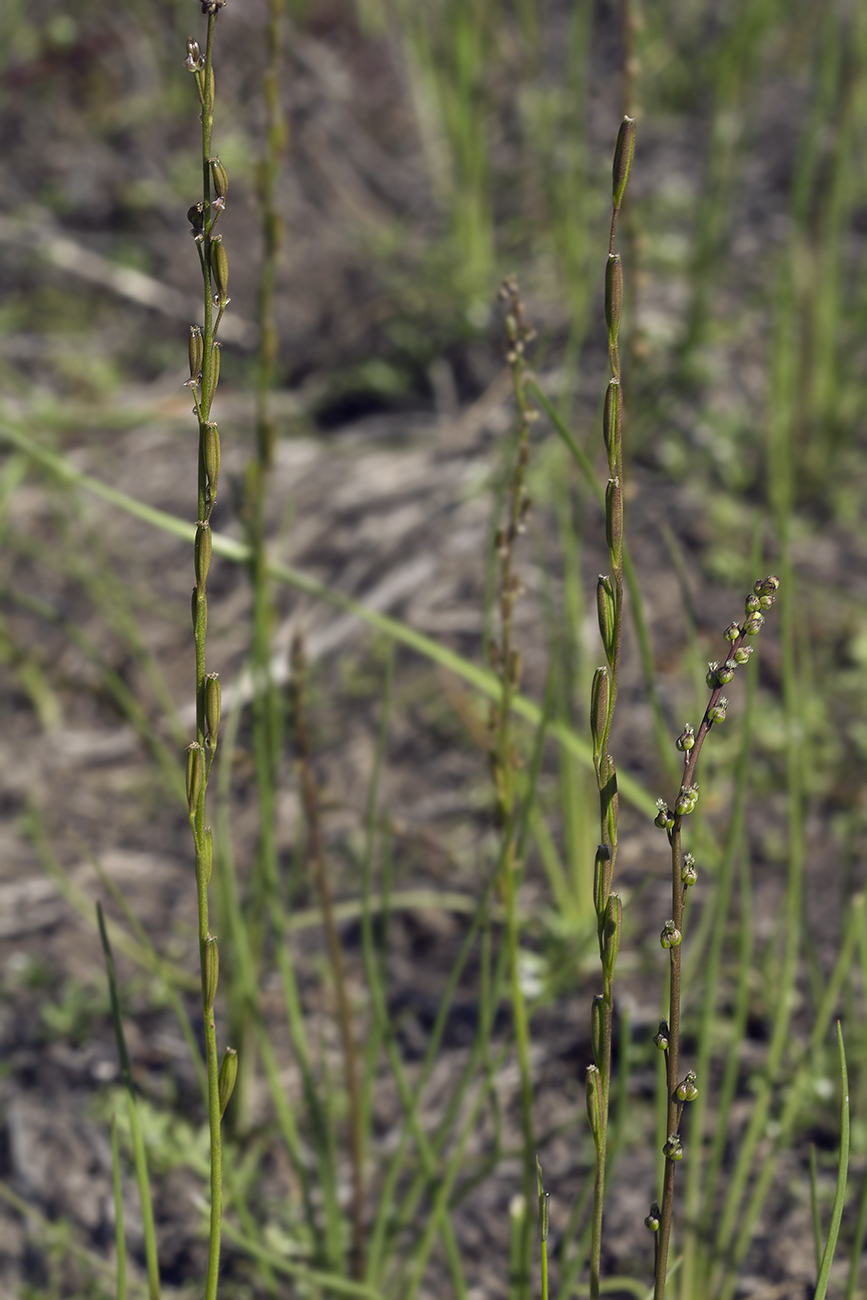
x=119 y=1231
x=842 y=1174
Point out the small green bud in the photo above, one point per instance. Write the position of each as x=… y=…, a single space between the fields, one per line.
x=196 y=218
x=653 y=1219
x=732 y=632
x=594 y=1102
x=212 y=706
x=623 y=152
x=751 y=605
x=712 y=670
x=221 y=180
x=687 y=1090
x=765 y=602
x=195 y=775
x=203 y=551
x=661 y=1036
x=718 y=711
x=686 y=800
x=598 y=708
x=605 y=609
x=742 y=654
x=686 y=739
x=612 y=421
x=226 y=1081
x=194 y=61
x=210 y=972
x=726 y=672
x=220 y=268
x=664 y=818
x=688 y=873
x=670 y=936
x=614 y=520
x=212 y=458
x=767 y=586
x=197 y=352
x=673 y=1149
x=753 y=624
x=613 y=295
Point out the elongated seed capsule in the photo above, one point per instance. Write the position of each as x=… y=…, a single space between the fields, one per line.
x=544 y=1214
x=220 y=268
x=227 y=1077
x=203 y=551
x=612 y=420
x=215 y=372
x=605 y=612
x=597 y=1007
x=598 y=708
x=212 y=458
x=623 y=151
x=594 y=1102
x=221 y=180
x=212 y=706
x=197 y=352
x=614 y=520
x=601 y=880
x=195 y=775
x=611 y=801
x=613 y=927
x=613 y=295
x=208 y=855
x=211 y=973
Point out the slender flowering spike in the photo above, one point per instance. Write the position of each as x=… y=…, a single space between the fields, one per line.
x=212 y=706
x=220 y=268
x=221 y=180
x=203 y=551
x=613 y=296
x=195 y=774
x=594 y=1102
x=623 y=152
x=605 y=612
x=673 y=1149
x=211 y=968
x=613 y=927
x=598 y=708
x=661 y=1036
x=688 y=873
x=228 y=1075
x=614 y=519
x=686 y=739
x=212 y=458
x=612 y=421
x=688 y=1089
x=197 y=352
x=670 y=936
x=652 y=1220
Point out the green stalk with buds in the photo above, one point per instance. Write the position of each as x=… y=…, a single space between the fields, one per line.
x=204 y=355
x=683 y=876
x=609 y=598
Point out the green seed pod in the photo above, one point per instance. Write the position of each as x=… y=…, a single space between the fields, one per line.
x=596 y=1009
x=212 y=458
x=653 y=1219
x=195 y=775
x=711 y=676
x=208 y=855
x=726 y=672
x=605 y=610
x=732 y=632
x=613 y=928
x=753 y=624
x=623 y=151
x=193 y=61
x=544 y=1214
x=687 y=1090
x=598 y=708
x=673 y=1149
x=197 y=352
x=227 y=1077
x=688 y=873
x=212 y=706
x=718 y=712
x=210 y=972
x=614 y=520
x=601 y=881
x=613 y=296
x=203 y=552
x=215 y=372
x=196 y=218
x=661 y=1036
x=221 y=180
x=670 y=936
x=594 y=1102
x=612 y=422
x=686 y=739
x=742 y=654
x=664 y=818
x=768 y=586
x=752 y=604
x=220 y=268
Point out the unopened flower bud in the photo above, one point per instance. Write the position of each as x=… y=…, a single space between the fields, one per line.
x=711 y=678
x=613 y=295
x=687 y=1090
x=597 y=1008
x=197 y=352
x=226 y=1081
x=203 y=551
x=766 y=602
x=753 y=624
x=751 y=604
x=593 y=1088
x=767 y=586
x=717 y=713
x=196 y=218
x=732 y=632
x=612 y=420
x=623 y=153
x=211 y=973
x=673 y=1149
x=605 y=609
x=212 y=458
x=664 y=818
x=598 y=708
x=653 y=1219
x=193 y=61
x=215 y=372
x=220 y=268
x=686 y=739
x=670 y=936
x=614 y=519
x=661 y=1036
x=195 y=775
x=742 y=654
x=212 y=706
x=221 y=180
x=686 y=800
x=688 y=873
